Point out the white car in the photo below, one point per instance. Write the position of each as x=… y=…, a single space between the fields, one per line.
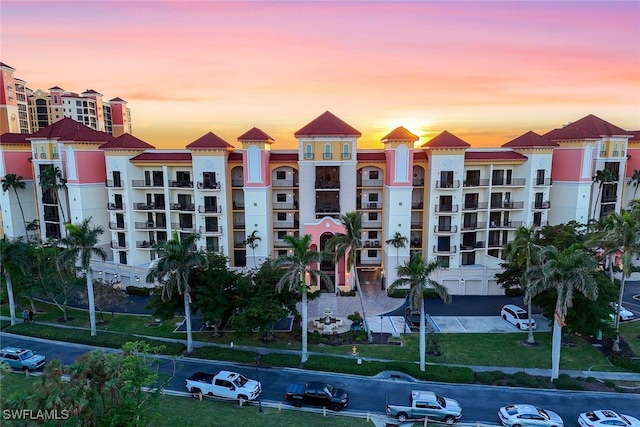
x=521 y=415
x=624 y=313
x=517 y=316
x=606 y=418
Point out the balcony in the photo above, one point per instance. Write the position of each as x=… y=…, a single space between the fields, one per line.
x=116 y=226
x=369 y=183
x=417 y=205
x=149 y=206
x=496 y=244
x=372 y=224
x=545 y=182
x=513 y=182
x=324 y=185
x=371 y=244
x=279 y=243
x=475 y=206
x=505 y=224
x=117 y=245
x=183 y=207
x=328 y=208
x=113 y=184
x=216 y=249
x=285 y=205
x=238 y=182
x=207 y=185
x=238 y=205
x=284 y=182
x=541 y=205
x=292 y=224
x=141 y=183
x=208 y=209
x=181 y=184
x=183 y=228
x=474 y=226
x=210 y=230
x=145 y=244
x=476 y=183
x=327 y=156
x=608 y=198
x=507 y=204
x=239 y=244
x=51 y=218
x=416 y=225
x=370 y=261
x=369 y=206
x=448 y=185
x=149 y=225
x=471 y=246
x=444 y=250
x=240 y=225
x=445 y=229
x=115 y=207
x=418 y=182
x=416 y=243
x=446 y=208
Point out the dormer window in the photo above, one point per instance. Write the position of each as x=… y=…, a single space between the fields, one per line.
x=327 y=152
x=308 y=153
x=345 y=152
x=43 y=154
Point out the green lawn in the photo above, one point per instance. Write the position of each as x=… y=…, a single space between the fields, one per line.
x=630 y=331
x=173 y=410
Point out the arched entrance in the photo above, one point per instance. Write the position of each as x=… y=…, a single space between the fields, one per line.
x=327 y=265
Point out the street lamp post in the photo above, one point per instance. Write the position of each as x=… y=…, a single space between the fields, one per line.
x=258 y=357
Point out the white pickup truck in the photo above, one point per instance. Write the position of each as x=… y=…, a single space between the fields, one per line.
x=225 y=384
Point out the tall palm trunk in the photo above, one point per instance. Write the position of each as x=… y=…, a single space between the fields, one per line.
x=530 y=339
x=616 y=322
x=556 y=344
x=595 y=205
x=24 y=221
x=364 y=314
x=187 y=320
x=304 y=356
x=10 y=296
x=423 y=333
x=92 y=304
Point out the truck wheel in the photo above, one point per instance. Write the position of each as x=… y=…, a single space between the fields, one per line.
x=195 y=391
x=335 y=407
x=449 y=420
x=297 y=403
x=402 y=417
x=243 y=397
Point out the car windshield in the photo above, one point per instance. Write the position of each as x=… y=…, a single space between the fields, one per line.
x=329 y=389
x=522 y=315
x=543 y=413
x=441 y=401
x=26 y=355
x=241 y=381
x=623 y=418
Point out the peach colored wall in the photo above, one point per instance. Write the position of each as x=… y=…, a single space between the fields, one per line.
x=316 y=230
x=266 y=170
x=18 y=162
x=633 y=160
x=390 y=173
x=90 y=166
x=567 y=165
x=116 y=114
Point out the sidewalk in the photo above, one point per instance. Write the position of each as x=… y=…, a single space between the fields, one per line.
x=614 y=376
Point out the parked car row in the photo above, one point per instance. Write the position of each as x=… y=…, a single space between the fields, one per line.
x=22 y=358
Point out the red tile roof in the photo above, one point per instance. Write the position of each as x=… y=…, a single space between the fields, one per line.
x=400 y=134
x=529 y=139
x=327 y=124
x=91 y=92
x=568 y=133
x=636 y=135
x=283 y=157
x=445 y=139
x=69 y=130
x=126 y=142
x=56 y=88
x=117 y=99
x=598 y=126
x=371 y=156
x=419 y=155
x=235 y=157
x=255 y=134
x=210 y=140
x=162 y=157
x=15 y=138
x=490 y=156
x=2 y=64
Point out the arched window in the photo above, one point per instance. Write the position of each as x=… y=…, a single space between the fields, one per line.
x=308 y=153
x=55 y=151
x=345 y=152
x=43 y=154
x=615 y=150
x=327 y=151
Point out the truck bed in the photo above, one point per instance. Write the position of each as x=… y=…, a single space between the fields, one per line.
x=296 y=389
x=202 y=377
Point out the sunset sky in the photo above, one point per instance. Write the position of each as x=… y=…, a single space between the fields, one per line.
x=485 y=71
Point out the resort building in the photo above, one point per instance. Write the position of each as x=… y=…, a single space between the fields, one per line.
x=454 y=203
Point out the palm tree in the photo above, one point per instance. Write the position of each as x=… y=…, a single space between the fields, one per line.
x=522 y=252
x=177 y=258
x=602 y=176
x=251 y=242
x=397 y=241
x=81 y=243
x=298 y=265
x=347 y=245
x=619 y=232
x=13 y=256
x=15 y=182
x=635 y=182
x=566 y=271
x=415 y=273
x=51 y=179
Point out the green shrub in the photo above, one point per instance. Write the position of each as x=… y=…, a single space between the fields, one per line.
x=138 y=291
x=625 y=362
x=498 y=375
x=355 y=317
x=514 y=292
x=351 y=293
x=523 y=379
x=485 y=378
x=565 y=382
x=398 y=293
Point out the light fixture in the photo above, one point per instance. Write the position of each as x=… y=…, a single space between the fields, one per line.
x=100 y=272
x=137 y=278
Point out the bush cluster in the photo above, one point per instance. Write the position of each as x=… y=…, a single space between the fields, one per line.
x=565 y=382
x=138 y=291
x=625 y=362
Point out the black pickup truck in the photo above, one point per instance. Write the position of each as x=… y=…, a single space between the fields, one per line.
x=317 y=394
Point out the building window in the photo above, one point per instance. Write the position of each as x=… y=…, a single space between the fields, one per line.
x=345 y=152
x=371 y=253
x=372 y=234
x=282 y=216
x=308 y=153
x=281 y=234
x=281 y=197
x=327 y=151
x=43 y=155
x=281 y=175
x=373 y=216
x=373 y=175
x=373 y=197
x=55 y=152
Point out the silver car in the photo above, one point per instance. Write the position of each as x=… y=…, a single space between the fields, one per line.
x=607 y=418
x=522 y=415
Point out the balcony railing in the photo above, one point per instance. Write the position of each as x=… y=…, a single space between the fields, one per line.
x=238 y=205
x=369 y=183
x=476 y=183
x=448 y=184
x=416 y=225
x=238 y=182
x=240 y=225
x=149 y=225
x=116 y=226
x=544 y=182
x=475 y=206
x=369 y=206
x=446 y=208
x=115 y=207
x=371 y=244
x=327 y=184
x=284 y=182
x=207 y=185
x=445 y=228
x=216 y=249
x=146 y=184
x=210 y=230
x=608 y=198
x=507 y=205
x=497 y=244
x=541 y=205
x=418 y=182
x=149 y=206
x=117 y=245
x=285 y=224
x=505 y=224
x=327 y=156
x=371 y=224
x=183 y=228
x=209 y=209
x=327 y=208
x=471 y=246
x=370 y=261
x=444 y=249
x=513 y=182
x=144 y=244
x=540 y=224
x=183 y=208
x=417 y=205
x=113 y=184
x=285 y=205
x=474 y=226
x=181 y=184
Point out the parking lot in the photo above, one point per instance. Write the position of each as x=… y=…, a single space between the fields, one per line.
x=482 y=324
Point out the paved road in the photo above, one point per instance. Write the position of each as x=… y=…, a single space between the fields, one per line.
x=480 y=403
